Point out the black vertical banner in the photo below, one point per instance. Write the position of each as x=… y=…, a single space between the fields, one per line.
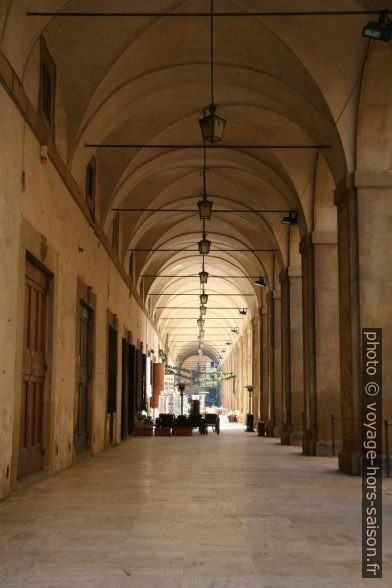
x=371 y=453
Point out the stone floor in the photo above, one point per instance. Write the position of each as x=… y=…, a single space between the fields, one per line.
x=234 y=511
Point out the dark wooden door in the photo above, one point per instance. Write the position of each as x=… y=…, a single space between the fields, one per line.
x=125 y=389
x=132 y=389
x=112 y=379
x=81 y=437
x=139 y=381
x=31 y=455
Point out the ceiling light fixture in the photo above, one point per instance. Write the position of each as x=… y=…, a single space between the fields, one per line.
x=243 y=311
x=203 y=297
x=203 y=274
x=381 y=30
x=200 y=322
x=212 y=126
x=291 y=219
x=204 y=245
x=203 y=310
x=261 y=282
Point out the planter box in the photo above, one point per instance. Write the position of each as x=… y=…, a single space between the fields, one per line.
x=232 y=418
x=162 y=432
x=144 y=431
x=183 y=431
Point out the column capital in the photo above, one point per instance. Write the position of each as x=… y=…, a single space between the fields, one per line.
x=363 y=178
x=317 y=238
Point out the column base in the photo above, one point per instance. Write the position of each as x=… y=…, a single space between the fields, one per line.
x=325 y=448
x=277 y=431
x=291 y=438
x=308 y=444
x=350 y=463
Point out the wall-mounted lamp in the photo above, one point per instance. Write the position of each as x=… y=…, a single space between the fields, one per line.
x=243 y=311
x=228 y=342
x=291 y=219
x=262 y=282
x=235 y=330
x=381 y=30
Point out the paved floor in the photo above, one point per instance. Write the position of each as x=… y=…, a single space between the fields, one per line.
x=234 y=511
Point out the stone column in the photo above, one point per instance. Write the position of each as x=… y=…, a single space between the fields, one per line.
x=292 y=356
x=264 y=364
x=255 y=367
x=321 y=342
x=365 y=293
x=275 y=362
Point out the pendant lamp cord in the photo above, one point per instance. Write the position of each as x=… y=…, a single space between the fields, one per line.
x=204 y=172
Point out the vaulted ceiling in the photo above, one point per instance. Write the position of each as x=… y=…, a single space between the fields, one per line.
x=145 y=80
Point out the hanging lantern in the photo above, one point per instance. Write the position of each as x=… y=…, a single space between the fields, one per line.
x=204 y=246
x=203 y=277
x=203 y=298
x=212 y=126
x=200 y=323
x=201 y=333
x=203 y=310
x=205 y=207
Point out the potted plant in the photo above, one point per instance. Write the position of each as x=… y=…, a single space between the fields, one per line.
x=183 y=426
x=164 y=424
x=143 y=425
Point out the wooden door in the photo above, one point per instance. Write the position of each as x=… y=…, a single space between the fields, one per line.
x=132 y=389
x=31 y=455
x=81 y=438
x=139 y=381
x=112 y=371
x=125 y=389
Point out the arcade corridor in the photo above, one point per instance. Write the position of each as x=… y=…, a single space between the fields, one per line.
x=234 y=511
x=195 y=209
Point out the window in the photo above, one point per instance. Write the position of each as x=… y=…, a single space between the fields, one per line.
x=47 y=88
x=90 y=185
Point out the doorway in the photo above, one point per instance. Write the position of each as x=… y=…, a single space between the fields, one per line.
x=83 y=417
x=32 y=450
x=112 y=380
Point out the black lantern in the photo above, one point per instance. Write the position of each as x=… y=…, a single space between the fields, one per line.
x=261 y=282
x=203 y=298
x=204 y=246
x=212 y=125
x=200 y=323
x=203 y=277
x=291 y=219
x=205 y=207
x=203 y=310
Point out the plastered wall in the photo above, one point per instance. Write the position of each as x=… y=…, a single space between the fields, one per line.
x=45 y=221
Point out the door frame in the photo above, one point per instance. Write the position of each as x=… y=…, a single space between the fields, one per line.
x=34 y=248
x=86 y=296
